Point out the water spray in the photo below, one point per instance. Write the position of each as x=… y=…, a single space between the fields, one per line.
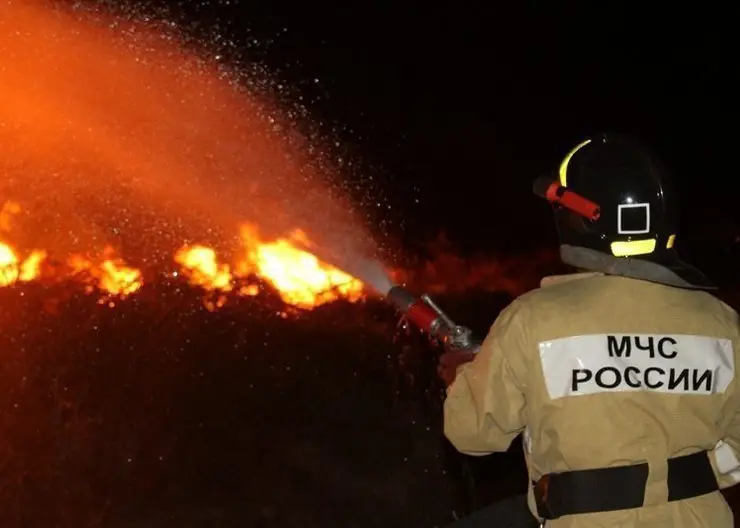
x=423 y=312
x=426 y=315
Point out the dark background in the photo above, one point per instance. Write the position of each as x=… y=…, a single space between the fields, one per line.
x=453 y=108
x=159 y=413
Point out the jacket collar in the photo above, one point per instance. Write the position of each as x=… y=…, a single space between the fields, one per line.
x=559 y=279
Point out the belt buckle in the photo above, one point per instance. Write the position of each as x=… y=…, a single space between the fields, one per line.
x=541 y=488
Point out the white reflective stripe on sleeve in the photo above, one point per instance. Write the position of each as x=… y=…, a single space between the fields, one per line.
x=675 y=364
x=726 y=460
x=527 y=438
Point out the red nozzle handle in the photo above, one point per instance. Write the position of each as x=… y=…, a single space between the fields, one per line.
x=422 y=316
x=418 y=312
x=553 y=192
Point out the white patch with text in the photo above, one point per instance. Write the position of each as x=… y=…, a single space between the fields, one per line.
x=674 y=364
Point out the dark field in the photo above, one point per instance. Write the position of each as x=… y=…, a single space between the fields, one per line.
x=159 y=413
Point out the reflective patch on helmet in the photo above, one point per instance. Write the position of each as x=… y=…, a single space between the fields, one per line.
x=671 y=241
x=633 y=218
x=563 y=172
x=612 y=363
x=633 y=247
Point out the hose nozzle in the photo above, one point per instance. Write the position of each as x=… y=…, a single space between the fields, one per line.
x=428 y=317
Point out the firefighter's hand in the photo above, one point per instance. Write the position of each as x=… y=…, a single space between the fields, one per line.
x=450 y=361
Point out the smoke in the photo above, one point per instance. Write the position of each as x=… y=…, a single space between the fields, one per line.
x=113 y=131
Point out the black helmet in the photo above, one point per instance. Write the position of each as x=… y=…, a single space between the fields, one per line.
x=614 y=196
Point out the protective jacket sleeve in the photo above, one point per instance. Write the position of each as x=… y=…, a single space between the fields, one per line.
x=725 y=456
x=485 y=406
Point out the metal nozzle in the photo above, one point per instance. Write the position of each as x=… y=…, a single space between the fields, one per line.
x=428 y=317
x=445 y=318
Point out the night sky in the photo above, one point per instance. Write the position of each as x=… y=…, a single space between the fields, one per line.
x=454 y=107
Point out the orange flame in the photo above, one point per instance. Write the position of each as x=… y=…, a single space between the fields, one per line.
x=201 y=264
x=298 y=276
x=13 y=270
x=110 y=275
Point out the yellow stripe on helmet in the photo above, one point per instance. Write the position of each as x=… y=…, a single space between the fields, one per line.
x=563 y=172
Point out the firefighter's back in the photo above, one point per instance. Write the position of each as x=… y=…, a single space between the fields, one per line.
x=629 y=372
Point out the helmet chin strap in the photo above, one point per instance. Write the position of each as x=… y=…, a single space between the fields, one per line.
x=592 y=260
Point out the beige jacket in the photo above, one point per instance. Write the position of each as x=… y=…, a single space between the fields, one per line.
x=539 y=372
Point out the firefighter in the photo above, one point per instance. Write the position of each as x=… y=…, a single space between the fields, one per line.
x=620 y=376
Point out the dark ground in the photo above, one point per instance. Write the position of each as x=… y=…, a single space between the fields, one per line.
x=159 y=413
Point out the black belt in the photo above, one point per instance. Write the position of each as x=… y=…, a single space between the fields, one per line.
x=619 y=488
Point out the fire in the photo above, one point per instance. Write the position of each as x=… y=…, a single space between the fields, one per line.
x=13 y=270
x=298 y=276
x=111 y=274
x=201 y=265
